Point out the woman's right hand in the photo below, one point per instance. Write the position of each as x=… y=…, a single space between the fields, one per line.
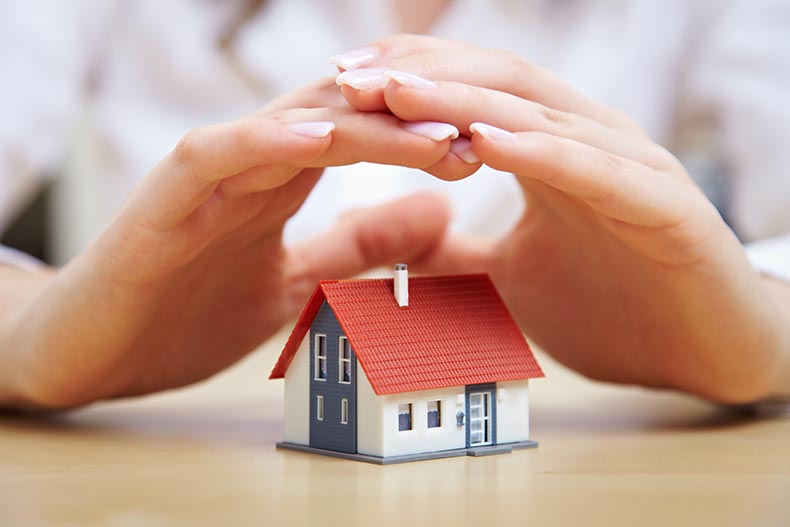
x=192 y=274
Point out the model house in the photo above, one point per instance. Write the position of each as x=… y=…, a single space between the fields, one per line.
x=387 y=371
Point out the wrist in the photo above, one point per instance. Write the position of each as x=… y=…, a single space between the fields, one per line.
x=19 y=291
x=779 y=295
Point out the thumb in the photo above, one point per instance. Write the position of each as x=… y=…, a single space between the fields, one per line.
x=407 y=229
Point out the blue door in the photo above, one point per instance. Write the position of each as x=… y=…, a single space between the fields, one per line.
x=333 y=385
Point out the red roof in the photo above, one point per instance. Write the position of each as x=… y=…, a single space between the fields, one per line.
x=455 y=331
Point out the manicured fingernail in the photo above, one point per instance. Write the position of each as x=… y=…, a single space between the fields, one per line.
x=355 y=59
x=363 y=79
x=317 y=129
x=462 y=147
x=491 y=132
x=432 y=130
x=410 y=80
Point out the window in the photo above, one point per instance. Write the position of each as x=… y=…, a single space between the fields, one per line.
x=434 y=414
x=343 y=411
x=404 y=417
x=319 y=407
x=319 y=361
x=344 y=361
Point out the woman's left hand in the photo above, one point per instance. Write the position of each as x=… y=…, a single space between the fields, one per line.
x=620 y=267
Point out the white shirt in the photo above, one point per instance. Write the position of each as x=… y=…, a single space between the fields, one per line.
x=105 y=89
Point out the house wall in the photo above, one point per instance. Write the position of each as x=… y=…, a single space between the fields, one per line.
x=330 y=433
x=377 y=416
x=370 y=411
x=421 y=438
x=512 y=411
x=512 y=419
x=297 y=396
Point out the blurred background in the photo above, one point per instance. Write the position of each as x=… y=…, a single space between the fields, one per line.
x=95 y=92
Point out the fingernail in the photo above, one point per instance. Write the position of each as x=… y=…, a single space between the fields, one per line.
x=355 y=59
x=363 y=79
x=432 y=130
x=317 y=129
x=491 y=132
x=462 y=147
x=410 y=80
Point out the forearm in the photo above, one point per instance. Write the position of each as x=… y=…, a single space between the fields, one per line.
x=18 y=290
x=779 y=292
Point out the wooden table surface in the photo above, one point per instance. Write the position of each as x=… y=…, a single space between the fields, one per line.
x=205 y=456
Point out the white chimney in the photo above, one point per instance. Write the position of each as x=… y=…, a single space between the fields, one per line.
x=402 y=284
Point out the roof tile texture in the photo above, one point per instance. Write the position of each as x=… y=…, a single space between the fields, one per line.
x=455 y=331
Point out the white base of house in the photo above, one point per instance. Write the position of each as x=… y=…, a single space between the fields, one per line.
x=480 y=451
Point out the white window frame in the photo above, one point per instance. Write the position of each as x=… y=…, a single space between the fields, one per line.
x=485 y=419
x=411 y=417
x=318 y=358
x=341 y=360
x=319 y=407
x=438 y=414
x=344 y=411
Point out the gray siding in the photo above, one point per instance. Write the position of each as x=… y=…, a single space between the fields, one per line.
x=330 y=433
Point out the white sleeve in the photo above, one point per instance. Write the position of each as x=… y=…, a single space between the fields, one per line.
x=9 y=256
x=771 y=257
x=45 y=50
x=740 y=80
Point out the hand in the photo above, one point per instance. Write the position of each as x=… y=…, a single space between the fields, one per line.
x=620 y=267
x=192 y=273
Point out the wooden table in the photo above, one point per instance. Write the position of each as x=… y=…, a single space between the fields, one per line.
x=205 y=456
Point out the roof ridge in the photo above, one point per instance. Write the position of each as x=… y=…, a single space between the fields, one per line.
x=411 y=277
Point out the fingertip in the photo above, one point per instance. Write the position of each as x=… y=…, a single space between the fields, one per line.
x=312 y=129
x=453 y=167
x=363 y=79
x=490 y=132
x=364 y=100
x=357 y=58
x=462 y=149
x=433 y=130
x=424 y=212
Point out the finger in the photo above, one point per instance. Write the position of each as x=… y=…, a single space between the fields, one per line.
x=459 y=254
x=318 y=94
x=494 y=69
x=393 y=47
x=259 y=154
x=413 y=98
x=461 y=162
x=364 y=88
x=385 y=139
x=407 y=230
x=614 y=186
x=204 y=157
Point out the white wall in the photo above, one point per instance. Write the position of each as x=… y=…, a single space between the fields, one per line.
x=369 y=417
x=297 y=396
x=377 y=416
x=512 y=408
x=421 y=438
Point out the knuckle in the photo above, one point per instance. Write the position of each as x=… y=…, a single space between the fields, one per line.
x=512 y=59
x=629 y=124
x=607 y=161
x=551 y=116
x=187 y=147
x=394 y=41
x=244 y=135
